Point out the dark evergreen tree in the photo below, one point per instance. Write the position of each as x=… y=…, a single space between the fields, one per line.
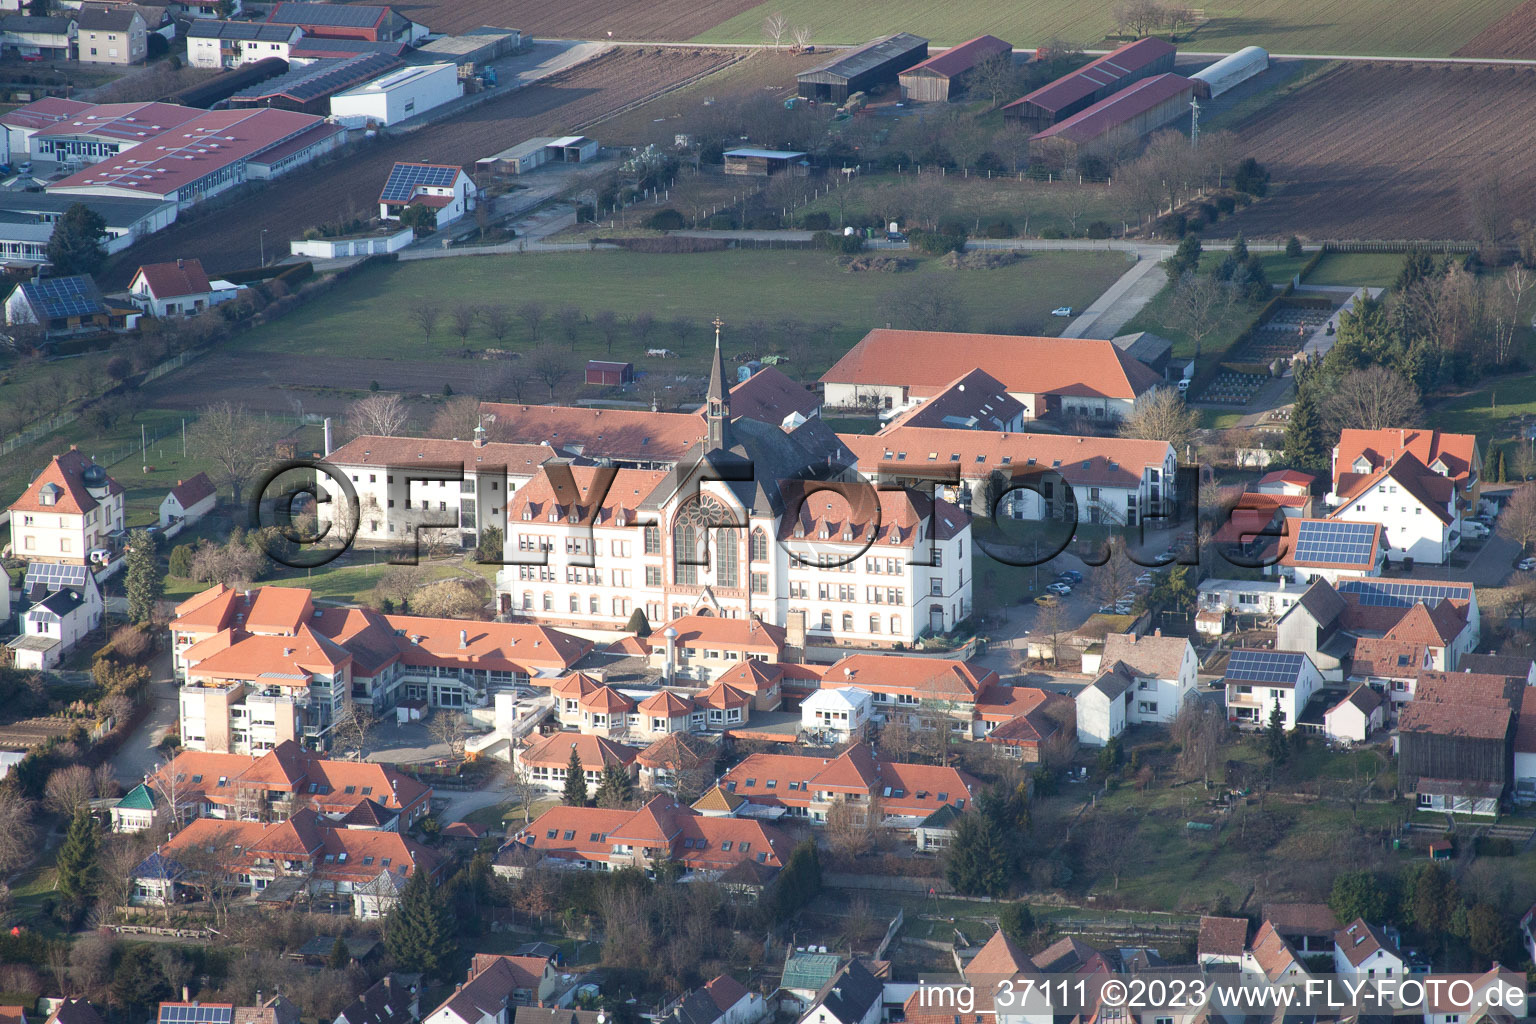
x=138 y=983
x=1016 y=921
x=977 y=864
x=419 y=932
x=1186 y=258
x=1417 y=265
x=340 y=955
x=575 y=781
x=638 y=624
x=1276 y=743
x=1305 y=445
x=1293 y=248
x=143 y=581
x=798 y=883
x=616 y=789
x=1359 y=894
x=76 y=244
x=79 y=864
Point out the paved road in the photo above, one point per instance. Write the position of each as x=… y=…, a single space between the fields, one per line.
x=1122 y=300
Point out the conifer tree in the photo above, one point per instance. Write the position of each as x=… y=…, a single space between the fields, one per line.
x=419 y=932
x=142 y=580
x=79 y=867
x=575 y=781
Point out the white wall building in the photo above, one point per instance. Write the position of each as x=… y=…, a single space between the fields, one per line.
x=229 y=44
x=1362 y=950
x=1258 y=680
x=66 y=606
x=181 y=288
x=69 y=510
x=1353 y=719
x=843 y=713
x=1416 y=507
x=1141 y=680
x=188 y=501
x=398 y=95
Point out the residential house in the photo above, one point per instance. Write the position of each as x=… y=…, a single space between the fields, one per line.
x=1221 y=940
x=1263 y=599
x=676 y=761
x=1453 y=456
x=545 y=760
x=181 y=288
x=1494 y=998
x=1456 y=741
x=602 y=839
x=854 y=996
x=1272 y=959
x=806 y=971
x=892 y=369
x=217 y=44
x=188 y=501
x=1330 y=549
x=1390 y=666
x=1355 y=718
x=1367 y=950
x=1328 y=620
x=1028 y=720
x=843 y=713
x=136 y=811
x=59 y=306
x=112 y=34
x=442 y=188
x=393 y=999
x=1418 y=507
x=495 y=987
x=808 y=788
x=1523 y=786
x=771 y=396
x=73 y=1010
x=723 y=1000
x=1258 y=681
x=1309 y=928
x=364 y=869
x=1140 y=680
x=49 y=38
x=921 y=693
x=65 y=605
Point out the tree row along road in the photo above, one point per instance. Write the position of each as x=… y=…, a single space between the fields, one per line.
x=1366 y=58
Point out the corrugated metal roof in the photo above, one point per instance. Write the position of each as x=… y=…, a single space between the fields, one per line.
x=1129 y=102
x=767 y=154
x=872 y=54
x=1091 y=77
x=320 y=78
x=958 y=59
x=335 y=15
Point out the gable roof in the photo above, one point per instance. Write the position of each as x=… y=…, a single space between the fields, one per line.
x=1423 y=484
x=1152 y=656
x=1119 y=107
x=1311 y=919
x=936 y=678
x=975 y=400
x=1363 y=698
x=999 y=957
x=918 y=452
x=1457 y=452
x=107 y=17
x=850 y=994
x=387 y=1001
x=192 y=490
x=1358 y=941
x=1274 y=955
x=67 y=475
x=1222 y=936
x=1096 y=74
x=616 y=433
x=962 y=57
x=927 y=361
x=1433 y=626
x=770 y=395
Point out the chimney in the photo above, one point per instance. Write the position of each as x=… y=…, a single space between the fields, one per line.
x=186 y=994
x=1158 y=631
x=327 y=436
x=671 y=637
x=463 y=639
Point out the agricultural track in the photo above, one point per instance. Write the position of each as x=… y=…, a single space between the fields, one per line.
x=579 y=19
x=228 y=235
x=1381 y=151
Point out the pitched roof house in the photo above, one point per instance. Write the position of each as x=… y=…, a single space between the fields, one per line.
x=495 y=987
x=181 y=288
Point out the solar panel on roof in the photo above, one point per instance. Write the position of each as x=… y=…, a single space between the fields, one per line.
x=54 y=575
x=1264 y=666
x=1396 y=594
x=1334 y=542
x=404 y=179
x=66 y=296
x=195 y=1014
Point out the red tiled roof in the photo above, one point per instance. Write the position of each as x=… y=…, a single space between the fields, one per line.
x=391 y=452
x=193 y=490
x=927 y=361
x=923 y=789
x=1458 y=452
x=723 y=695
x=856 y=513
x=1150 y=656
x=1222 y=936
x=580 y=489
x=1427 y=487
x=616 y=433
x=747 y=634
x=607 y=700
x=937 y=678
x=1388 y=659
x=1300 y=918
x=1082 y=461
x=1096 y=74
x=64 y=472
x=665 y=704
x=1272 y=953
x=1282 y=476
x=961 y=58
x=173 y=280
x=1112 y=111
x=1000 y=957
x=1525 y=731
x=1433 y=627
x=595 y=752
x=726 y=991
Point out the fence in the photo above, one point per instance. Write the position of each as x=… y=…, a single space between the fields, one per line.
x=39 y=430
x=1400 y=247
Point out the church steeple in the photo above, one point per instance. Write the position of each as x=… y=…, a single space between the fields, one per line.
x=718 y=403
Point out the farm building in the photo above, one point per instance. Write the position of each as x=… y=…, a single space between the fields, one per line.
x=764 y=163
x=229 y=44
x=1129 y=114
x=538 y=151
x=942 y=77
x=347 y=21
x=367 y=244
x=1456 y=740
x=863 y=68
x=472 y=50
x=398 y=95
x=207 y=94
x=609 y=373
x=308 y=87
x=1094 y=81
x=315 y=48
x=1233 y=69
x=441 y=187
x=184 y=168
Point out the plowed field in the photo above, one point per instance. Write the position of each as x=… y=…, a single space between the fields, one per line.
x=1379 y=151
x=228 y=236
x=1513 y=35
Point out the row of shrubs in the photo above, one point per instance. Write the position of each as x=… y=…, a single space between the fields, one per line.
x=947 y=230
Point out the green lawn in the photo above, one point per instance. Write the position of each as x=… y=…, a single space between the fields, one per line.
x=1402 y=28
x=368 y=315
x=348 y=580
x=1492 y=411
x=1375 y=269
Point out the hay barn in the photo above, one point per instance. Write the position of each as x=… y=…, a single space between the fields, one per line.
x=609 y=373
x=1233 y=69
x=764 y=163
x=942 y=77
x=863 y=68
x=1094 y=81
x=1126 y=116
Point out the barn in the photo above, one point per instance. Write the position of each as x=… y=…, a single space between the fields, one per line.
x=1129 y=114
x=942 y=77
x=863 y=68
x=608 y=373
x=1094 y=81
x=764 y=163
x=1231 y=70
x=308 y=87
x=1456 y=741
x=536 y=152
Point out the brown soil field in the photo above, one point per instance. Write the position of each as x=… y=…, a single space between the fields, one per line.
x=578 y=19
x=227 y=235
x=1513 y=35
x=1379 y=151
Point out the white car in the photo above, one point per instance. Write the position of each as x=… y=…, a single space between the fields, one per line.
x=1526 y=564
x=1062 y=311
x=1474 y=529
x=1059 y=588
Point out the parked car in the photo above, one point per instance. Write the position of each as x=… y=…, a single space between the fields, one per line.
x=1124 y=608
x=1047 y=600
x=1145 y=580
x=1526 y=564
x=1062 y=311
x=1474 y=529
x=1060 y=589
x=1070 y=575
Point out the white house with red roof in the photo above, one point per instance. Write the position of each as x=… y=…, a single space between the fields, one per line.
x=1418 y=507
x=181 y=288
x=442 y=188
x=495 y=987
x=1455 y=457
x=188 y=501
x=69 y=510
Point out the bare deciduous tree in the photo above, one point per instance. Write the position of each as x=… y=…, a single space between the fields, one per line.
x=497 y=321
x=607 y=323
x=1518 y=520
x=379 y=414
x=457 y=417
x=533 y=315
x=425 y=314
x=995 y=78
x=17 y=833
x=1138 y=17
x=928 y=305
x=1374 y=398
x=1198 y=729
x=354 y=725
x=462 y=320
x=449 y=728
x=802 y=36
x=774 y=28
x=552 y=366
x=234 y=440
x=682 y=328
x=1199 y=305
x=569 y=320
x=641 y=325
x=1163 y=417
x=68 y=789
